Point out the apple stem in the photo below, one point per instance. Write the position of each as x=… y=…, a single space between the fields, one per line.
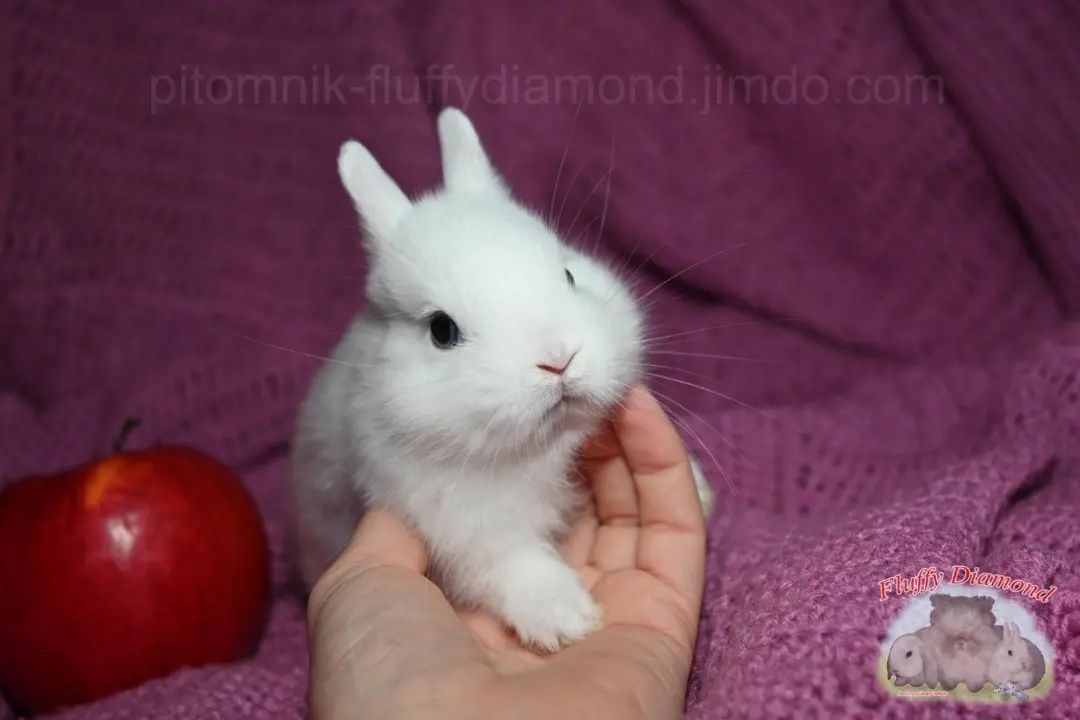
x=125 y=432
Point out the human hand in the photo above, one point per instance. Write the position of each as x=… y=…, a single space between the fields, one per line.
x=385 y=642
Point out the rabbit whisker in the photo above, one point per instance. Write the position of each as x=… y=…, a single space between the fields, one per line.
x=740 y=323
x=682 y=425
x=711 y=356
x=566 y=196
x=585 y=202
x=690 y=267
x=562 y=161
x=713 y=391
x=301 y=353
x=723 y=438
x=607 y=195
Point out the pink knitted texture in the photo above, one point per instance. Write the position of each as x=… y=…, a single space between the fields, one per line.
x=902 y=276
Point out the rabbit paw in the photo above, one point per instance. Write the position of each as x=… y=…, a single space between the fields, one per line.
x=547 y=606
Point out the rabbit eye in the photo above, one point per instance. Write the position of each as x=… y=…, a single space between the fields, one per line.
x=1010 y=653
x=908 y=653
x=570 y=279
x=444 y=331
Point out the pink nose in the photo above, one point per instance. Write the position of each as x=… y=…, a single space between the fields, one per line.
x=557 y=367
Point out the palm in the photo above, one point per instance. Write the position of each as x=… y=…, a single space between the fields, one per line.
x=639 y=548
x=603 y=547
x=642 y=564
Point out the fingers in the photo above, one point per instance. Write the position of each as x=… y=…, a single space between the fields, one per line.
x=602 y=444
x=671 y=544
x=578 y=542
x=641 y=477
x=612 y=484
x=658 y=462
x=614 y=542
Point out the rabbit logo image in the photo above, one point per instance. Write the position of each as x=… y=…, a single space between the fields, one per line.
x=958 y=642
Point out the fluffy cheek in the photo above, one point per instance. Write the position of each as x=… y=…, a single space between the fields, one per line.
x=614 y=363
x=433 y=400
x=506 y=406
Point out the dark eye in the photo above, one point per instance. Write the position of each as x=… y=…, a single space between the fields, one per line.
x=444 y=331
x=1010 y=653
x=908 y=653
x=570 y=278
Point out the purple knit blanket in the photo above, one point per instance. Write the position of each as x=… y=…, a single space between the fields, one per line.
x=863 y=218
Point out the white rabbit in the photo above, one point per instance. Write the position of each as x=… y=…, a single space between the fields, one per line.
x=914 y=659
x=486 y=354
x=1016 y=660
x=906 y=660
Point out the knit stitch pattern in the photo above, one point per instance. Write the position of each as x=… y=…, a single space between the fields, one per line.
x=900 y=275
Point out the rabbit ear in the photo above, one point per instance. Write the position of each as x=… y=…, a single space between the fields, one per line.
x=378 y=199
x=1012 y=630
x=465 y=164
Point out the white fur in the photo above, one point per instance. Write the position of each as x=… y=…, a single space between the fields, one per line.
x=471 y=444
x=913 y=660
x=963 y=645
x=1015 y=659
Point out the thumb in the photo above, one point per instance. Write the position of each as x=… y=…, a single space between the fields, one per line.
x=374 y=620
x=382 y=548
x=382 y=538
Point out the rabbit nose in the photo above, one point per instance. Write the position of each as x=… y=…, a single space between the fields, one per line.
x=557 y=365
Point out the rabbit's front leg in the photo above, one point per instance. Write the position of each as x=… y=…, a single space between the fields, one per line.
x=540 y=596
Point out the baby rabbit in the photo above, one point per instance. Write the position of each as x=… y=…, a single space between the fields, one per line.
x=487 y=353
x=913 y=659
x=968 y=638
x=1016 y=660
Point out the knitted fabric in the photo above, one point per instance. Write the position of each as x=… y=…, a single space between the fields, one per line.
x=900 y=274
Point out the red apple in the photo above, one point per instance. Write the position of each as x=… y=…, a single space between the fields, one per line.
x=123 y=570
